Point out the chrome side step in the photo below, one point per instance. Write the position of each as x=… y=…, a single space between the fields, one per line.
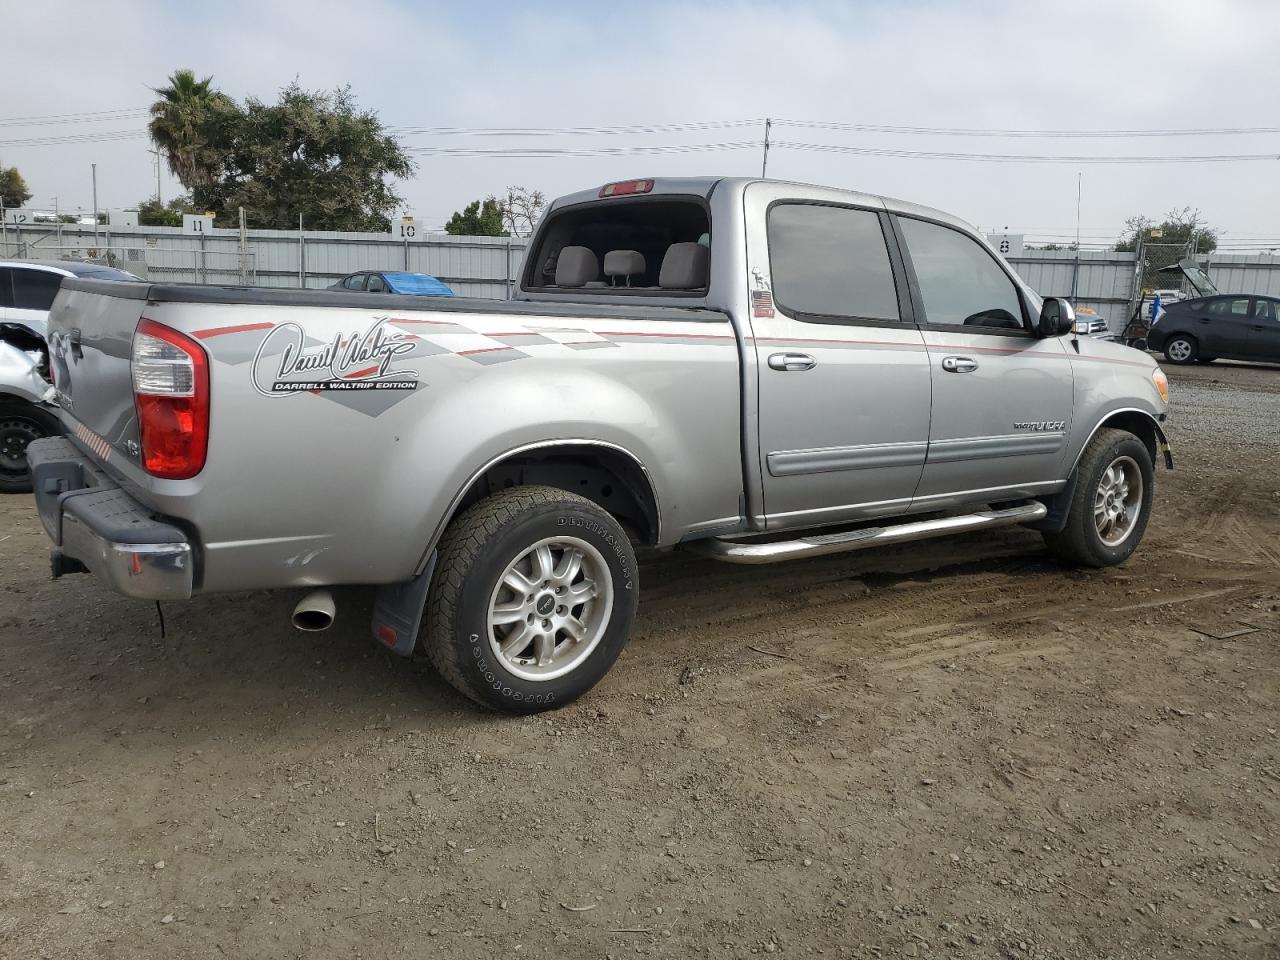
x=739 y=551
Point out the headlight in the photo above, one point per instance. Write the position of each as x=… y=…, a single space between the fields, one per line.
x=1161 y=382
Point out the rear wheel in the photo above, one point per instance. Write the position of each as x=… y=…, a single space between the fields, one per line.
x=533 y=599
x=1181 y=349
x=1111 y=503
x=20 y=423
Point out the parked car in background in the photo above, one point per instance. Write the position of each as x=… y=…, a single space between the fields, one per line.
x=1231 y=326
x=27 y=289
x=392 y=281
x=1090 y=324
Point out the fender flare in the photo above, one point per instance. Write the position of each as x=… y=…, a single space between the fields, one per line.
x=454 y=502
x=1162 y=441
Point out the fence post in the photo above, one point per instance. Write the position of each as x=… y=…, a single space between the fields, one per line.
x=244 y=251
x=302 y=257
x=204 y=263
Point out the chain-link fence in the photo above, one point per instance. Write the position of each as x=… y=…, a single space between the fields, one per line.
x=150 y=261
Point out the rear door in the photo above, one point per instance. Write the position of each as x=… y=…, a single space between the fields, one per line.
x=1002 y=398
x=843 y=374
x=1264 y=331
x=1224 y=328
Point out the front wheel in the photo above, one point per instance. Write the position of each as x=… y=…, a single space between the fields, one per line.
x=1115 y=482
x=1181 y=349
x=532 y=600
x=20 y=423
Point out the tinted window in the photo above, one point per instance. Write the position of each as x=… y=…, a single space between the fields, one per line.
x=6 y=287
x=960 y=282
x=375 y=284
x=1264 y=309
x=1238 y=307
x=830 y=262
x=35 y=289
x=354 y=283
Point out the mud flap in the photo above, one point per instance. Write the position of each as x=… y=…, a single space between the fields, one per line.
x=1055 y=521
x=397 y=611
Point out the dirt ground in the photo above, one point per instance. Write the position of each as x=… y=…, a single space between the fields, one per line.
x=956 y=749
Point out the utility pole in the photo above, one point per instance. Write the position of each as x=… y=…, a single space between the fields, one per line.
x=764 y=160
x=156 y=154
x=1075 y=272
x=94 y=168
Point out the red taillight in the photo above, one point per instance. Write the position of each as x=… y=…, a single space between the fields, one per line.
x=171 y=394
x=624 y=187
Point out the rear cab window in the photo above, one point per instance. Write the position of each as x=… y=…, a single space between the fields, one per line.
x=639 y=246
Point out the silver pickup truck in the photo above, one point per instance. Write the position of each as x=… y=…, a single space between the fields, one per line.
x=749 y=369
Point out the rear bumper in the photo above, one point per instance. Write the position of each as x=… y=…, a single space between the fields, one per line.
x=97 y=526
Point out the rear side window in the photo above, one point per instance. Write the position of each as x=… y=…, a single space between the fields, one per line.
x=354 y=283
x=375 y=284
x=830 y=264
x=1238 y=307
x=35 y=289
x=960 y=282
x=6 y=287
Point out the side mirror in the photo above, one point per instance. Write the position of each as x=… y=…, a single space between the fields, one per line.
x=1056 y=318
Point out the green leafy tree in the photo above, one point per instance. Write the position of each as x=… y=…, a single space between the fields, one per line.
x=152 y=213
x=311 y=154
x=13 y=189
x=190 y=123
x=478 y=219
x=1178 y=227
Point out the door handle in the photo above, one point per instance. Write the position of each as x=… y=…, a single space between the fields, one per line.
x=1204 y=319
x=959 y=364
x=791 y=362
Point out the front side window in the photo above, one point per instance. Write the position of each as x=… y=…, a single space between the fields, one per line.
x=830 y=264
x=376 y=284
x=1239 y=307
x=960 y=282
x=35 y=289
x=355 y=283
x=1264 y=309
x=6 y=287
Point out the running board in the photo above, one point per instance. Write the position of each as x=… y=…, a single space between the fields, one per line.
x=737 y=551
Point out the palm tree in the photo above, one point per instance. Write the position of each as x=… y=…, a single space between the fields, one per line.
x=178 y=126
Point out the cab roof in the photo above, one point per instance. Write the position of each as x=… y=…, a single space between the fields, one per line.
x=705 y=186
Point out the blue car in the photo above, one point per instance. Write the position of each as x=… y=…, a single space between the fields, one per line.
x=393 y=281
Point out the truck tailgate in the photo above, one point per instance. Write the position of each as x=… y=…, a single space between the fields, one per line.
x=91 y=326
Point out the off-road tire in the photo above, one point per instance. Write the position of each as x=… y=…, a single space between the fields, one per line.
x=1182 y=338
x=475 y=550
x=18 y=419
x=1079 y=542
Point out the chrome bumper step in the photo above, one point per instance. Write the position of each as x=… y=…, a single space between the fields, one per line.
x=818 y=545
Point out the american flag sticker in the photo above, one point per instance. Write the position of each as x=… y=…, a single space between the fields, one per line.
x=761 y=303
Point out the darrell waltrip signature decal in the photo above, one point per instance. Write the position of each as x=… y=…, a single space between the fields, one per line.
x=285 y=364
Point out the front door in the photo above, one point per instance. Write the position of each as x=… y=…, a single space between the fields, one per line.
x=1002 y=397
x=842 y=371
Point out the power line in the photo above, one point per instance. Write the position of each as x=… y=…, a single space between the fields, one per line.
x=625 y=129
x=1046 y=134
x=57 y=118
x=1018 y=157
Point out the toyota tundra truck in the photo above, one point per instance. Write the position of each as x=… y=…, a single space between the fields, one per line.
x=751 y=370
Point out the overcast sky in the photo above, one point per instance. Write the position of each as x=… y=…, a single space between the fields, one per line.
x=1079 y=65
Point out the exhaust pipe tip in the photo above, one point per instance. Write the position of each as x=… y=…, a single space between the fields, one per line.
x=314 y=612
